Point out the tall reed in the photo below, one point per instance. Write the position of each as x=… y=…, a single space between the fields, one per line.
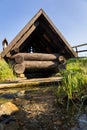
x=74 y=82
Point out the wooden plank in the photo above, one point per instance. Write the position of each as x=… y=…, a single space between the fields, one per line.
x=20 y=83
x=20 y=34
x=23 y=38
x=53 y=38
x=19 y=38
x=80 y=45
x=54 y=28
x=81 y=51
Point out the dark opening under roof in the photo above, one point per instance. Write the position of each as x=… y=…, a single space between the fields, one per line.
x=42 y=35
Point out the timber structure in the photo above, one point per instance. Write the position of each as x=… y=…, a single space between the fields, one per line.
x=80 y=46
x=39 y=47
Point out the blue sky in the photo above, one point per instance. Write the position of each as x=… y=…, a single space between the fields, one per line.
x=69 y=16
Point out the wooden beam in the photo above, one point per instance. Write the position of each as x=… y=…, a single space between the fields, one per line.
x=45 y=44
x=26 y=35
x=53 y=37
x=85 y=44
x=82 y=51
x=21 y=33
x=23 y=38
x=55 y=29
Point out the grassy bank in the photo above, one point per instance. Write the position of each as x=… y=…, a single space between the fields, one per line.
x=6 y=72
x=73 y=89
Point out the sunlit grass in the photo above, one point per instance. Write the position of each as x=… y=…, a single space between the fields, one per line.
x=6 y=73
x=74 y=83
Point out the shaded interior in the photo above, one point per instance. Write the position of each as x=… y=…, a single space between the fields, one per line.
x=45 y=39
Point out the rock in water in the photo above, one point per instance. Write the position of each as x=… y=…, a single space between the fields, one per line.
x=8 y=108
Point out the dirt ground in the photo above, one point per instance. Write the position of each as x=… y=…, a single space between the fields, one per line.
x=38 y=109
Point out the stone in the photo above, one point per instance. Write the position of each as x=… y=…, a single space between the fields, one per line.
x=8 y=108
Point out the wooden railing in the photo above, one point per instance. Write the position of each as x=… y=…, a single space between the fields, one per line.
x=77 y=48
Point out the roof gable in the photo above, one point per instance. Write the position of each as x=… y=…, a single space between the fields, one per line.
x=42 y=25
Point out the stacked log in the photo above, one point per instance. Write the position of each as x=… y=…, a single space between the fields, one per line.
x=19 y=68
x=40 y=64
x=20 y=57
x=36 y=61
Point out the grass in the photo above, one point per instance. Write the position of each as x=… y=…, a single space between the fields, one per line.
x=6 y=73
x=4 y=100
x=74 y=83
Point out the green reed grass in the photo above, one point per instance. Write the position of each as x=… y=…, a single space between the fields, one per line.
x=74 y=82
x=6 y=73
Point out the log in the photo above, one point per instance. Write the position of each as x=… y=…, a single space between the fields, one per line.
x=35 y=66
x=36 y=56
x=40 y=64
x=19 y=68
x=62 y=59
x=20 y=57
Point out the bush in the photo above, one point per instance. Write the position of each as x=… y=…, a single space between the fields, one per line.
x=6 y=72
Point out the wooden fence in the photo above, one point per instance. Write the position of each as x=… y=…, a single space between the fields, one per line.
x=80 y=46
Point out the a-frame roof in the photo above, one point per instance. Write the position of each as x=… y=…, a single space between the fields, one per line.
x=40 y=26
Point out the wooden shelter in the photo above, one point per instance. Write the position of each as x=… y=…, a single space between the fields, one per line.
x=39 y=45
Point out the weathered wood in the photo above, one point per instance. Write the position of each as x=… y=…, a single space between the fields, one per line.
x=77 y=48
x=53 y=27
x=20 y=57
x=82 y=51
x=20 y=34
x=85 y=44
x=40 y=64
x=29 y=29
x=35 y=65
x=19 y=68
x=61 y=59
x=27 y=34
